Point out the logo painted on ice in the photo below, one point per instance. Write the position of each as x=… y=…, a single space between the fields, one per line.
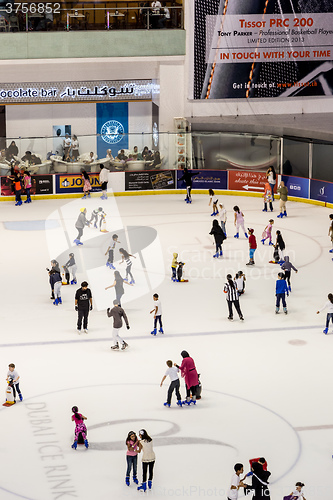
x=112 y=132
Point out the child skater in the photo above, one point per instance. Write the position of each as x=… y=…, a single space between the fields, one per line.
x=230 y=288
x=219 y=237
x=111 y=250
x=80 y=427
x=12 y=373
x=214 y=200
x=133 y=448
x=172 y=372
x=329 y=306
x=297 y=493
x=27 y=185
x=118 y=285
x=125 y=256
x=157 y=314
x=239 y=221
x=174 y=265
x=86 y=184
x=252 y=247
x=223 y=218
x=148 y=460
x=267 y=233
x=281 y=289
x=287 y=267
x=268 y=198
x=240 y=279
x=330 y=232
x=71 y=267
x=56 y=284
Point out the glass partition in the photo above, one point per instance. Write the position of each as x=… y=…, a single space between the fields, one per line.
x=295 y=158
x=223 y=151
x=71 y=16
x=322 y=168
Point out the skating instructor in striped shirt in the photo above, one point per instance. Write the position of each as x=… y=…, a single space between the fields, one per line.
x=230 y=288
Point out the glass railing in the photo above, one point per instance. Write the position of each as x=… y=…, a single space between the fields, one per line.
x=123 y=15
x=71 y=154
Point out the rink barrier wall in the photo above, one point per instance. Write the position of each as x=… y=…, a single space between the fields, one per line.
x=117 y=181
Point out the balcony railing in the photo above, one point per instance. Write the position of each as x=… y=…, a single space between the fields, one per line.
x=38 y=16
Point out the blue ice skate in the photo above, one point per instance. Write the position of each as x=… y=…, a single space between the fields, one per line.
x=331 y=251
x=262 y=241
x=111 y=266
x=56 y=302
x=143 y=487
x=132 y=282
x=153 y=332
x=325 y=331
x=216 y=255
x=21 y=397
x=246 y=235
x=280 y=216
x=135 y=480
x=127 y=480
x=161 y=330
x=284 y=214
x=59 y=300
x=74 y=445
x=270 y=243
x=73 y=282
x=221 y=253
x=179 y=403
x=150 y=484
x=236 y=235
x=167 y=404
x=264 y=210
x=86 y=444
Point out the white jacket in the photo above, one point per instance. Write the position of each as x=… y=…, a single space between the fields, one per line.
x=103 y=175
x=148 y=454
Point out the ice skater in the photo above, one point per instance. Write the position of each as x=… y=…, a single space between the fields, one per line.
x=190 y=374
x=297 y=493
x=280 y=247
x=80 y=428
x=94 y=216
x=133 y=448
x=111 y=250
x=102 y=222
x=13 y=374
x=271 y=178
x=287 y=266
x=239 y=221
x=268 y=198
x=54 y=266
x=236 y=482
x=283 y=192
x=330 y=231
x=172 y=372
x=157 y=314
x=80 y=224
x=260 y=482
x=103 y=180
x=118 y=285
x=83 y=304
x=27 y=185
x=329 y=306
x=281 y=289
x=230 y=288
x=118 y=315
x=180 y=278
x=187 y=178
x=71 y=267
x=86 y=184
x=174 y=265
x=223 y=218
x=213 y=200
x=125 y=257
x=252 y=247
x=240 y=279
x=267 y=232
x=219 y=237
x=56 y=284
x=148 y=460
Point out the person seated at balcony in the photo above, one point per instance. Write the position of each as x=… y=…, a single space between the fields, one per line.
x=135 y=155
x=31 y=158
x=143 y=13
x=74 y=148
x=3 y=158
x=66 y=145
x=157 y=160
x=147 y=155
x=165 y=16
x=109 y=155
x=45 y=23
x=156 y=6
x=121 y=156
x=91 y=158
x=11 y=151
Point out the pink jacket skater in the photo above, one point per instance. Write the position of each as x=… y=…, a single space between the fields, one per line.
x=190 y=374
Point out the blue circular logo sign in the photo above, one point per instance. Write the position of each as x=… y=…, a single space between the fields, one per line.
x=112 y=132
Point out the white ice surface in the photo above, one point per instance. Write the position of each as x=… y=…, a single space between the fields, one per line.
x=266 y=382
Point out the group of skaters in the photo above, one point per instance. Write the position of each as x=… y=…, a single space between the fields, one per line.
x=256 y=481
x=21 y=180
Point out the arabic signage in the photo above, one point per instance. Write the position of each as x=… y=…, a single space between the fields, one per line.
x=148 y=180
x=297 y=186
x=40 y=184
x=68 y=183
x=253 y=51
x=252 y=182
x=321 y=191
x=206 y=179
x=112 y=90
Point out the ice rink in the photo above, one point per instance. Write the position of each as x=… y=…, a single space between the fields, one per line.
x=266 y=382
